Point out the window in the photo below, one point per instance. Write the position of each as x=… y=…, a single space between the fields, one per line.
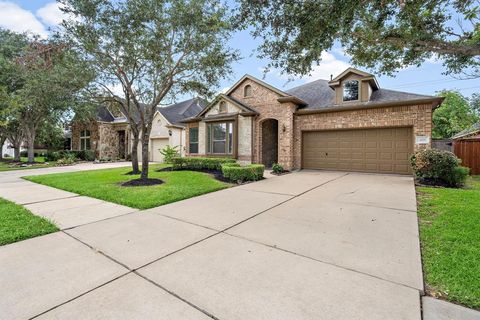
x=220 y=138
x=350 y=90
x=247 y=91
x=193 y=140
x=223 y=107
x=85 y=140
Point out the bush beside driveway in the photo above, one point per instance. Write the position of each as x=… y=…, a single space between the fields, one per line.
x=449 y=231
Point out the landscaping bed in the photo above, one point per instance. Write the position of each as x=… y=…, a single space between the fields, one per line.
x=450 y=239
x=17 y=223
x=107 y=185
x=9 y=164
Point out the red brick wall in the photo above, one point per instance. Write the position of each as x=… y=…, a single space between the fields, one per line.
x=417 y=116
x=265 y=102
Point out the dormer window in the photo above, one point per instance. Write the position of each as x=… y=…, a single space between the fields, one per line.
x=350 y=90
x=222 y=108
x=247 y=91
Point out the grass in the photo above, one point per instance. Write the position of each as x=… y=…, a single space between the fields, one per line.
x=450 y=237
x=105 y=185
x=17 y=223
x=8 y=164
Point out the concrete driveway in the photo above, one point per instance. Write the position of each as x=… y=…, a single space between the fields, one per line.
x=307 y=245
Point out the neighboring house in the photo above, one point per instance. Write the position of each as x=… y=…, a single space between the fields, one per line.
x=466 y=146
x=110 y=137
x=347 y=123
x=7 y=149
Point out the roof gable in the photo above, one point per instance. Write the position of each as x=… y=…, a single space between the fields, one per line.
x=258 y=81
x=224 y=97
x=364 y=75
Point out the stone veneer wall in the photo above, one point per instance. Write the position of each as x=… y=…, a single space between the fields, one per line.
x=77 y=127
x=265 y=102
x=417 y=116
x=108 y=144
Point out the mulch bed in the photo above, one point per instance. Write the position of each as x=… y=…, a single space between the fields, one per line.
x=215 y=173
x=142 y=182
x=280 y=173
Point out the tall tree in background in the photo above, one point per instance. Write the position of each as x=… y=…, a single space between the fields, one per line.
x=384 y=35
x=53 y=77
x=12 y=46
x=454 y=115
x=152 y=50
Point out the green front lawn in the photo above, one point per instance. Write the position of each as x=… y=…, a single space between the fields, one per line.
x=105 y=185
x=17 y=223
x=8 y=164
x=450 y=238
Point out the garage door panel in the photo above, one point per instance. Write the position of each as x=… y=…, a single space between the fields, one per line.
x=384 y=150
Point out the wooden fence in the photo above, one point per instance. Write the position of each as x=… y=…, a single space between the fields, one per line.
x=469 y=151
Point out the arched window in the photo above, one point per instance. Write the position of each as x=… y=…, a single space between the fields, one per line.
x=223 y=107
x=247 y=91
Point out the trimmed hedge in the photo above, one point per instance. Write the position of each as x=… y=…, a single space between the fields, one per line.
x=198 y=163
x=236 y=172
x=85 y=155
x=439 y=167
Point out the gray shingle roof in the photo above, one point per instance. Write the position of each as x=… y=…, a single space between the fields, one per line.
x=469 y=131
x=318 y=94
x=175 y=113
x=104 y=115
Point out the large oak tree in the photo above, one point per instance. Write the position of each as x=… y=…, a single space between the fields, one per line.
x=153 y=50
x=384 y=35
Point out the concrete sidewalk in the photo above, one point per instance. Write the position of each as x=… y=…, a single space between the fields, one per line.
x=65 y=209
x=307 y=245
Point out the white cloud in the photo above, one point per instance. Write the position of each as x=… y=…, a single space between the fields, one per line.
x=51 y=14
x=15 y=18
x=330 y=65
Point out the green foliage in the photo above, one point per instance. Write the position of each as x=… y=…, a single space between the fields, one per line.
x=277 y=168
x=438 y=167
x=169 y=153
x=52 y=156
x=85 y=155
x=454 y=115
x=51 y=136
x=236 y=172
x=382 y=35
x=198 y=163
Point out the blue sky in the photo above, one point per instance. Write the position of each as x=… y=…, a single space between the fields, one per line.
x=39 y=15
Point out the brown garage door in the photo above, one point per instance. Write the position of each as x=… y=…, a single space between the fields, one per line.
x=367 y=150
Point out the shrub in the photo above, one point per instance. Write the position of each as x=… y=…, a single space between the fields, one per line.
x=23 y=153
x=277 y=168
x=66 y=161
x=169 y=153
x=236 y=172
x=52 y=156
x=86 y=155
x=438 y=167
x=197 y=163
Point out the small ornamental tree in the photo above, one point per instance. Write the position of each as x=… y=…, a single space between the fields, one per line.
x=151 y=51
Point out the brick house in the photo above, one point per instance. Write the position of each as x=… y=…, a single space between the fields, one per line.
x=109 y=135
x=347 y=123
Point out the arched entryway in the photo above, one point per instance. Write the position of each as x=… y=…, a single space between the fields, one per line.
x=269 y=142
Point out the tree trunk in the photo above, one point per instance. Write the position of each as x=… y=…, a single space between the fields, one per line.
x=2 y=142
x=145 y=140
x=134 y=153
x=31 y=145
x=16 y=152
